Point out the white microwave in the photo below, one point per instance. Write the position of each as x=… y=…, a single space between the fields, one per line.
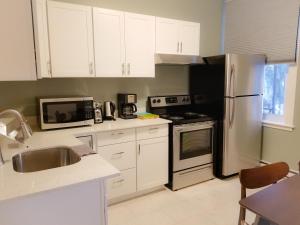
x=65 y=112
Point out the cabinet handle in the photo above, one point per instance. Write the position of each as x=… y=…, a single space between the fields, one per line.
x=123 y=69
x=49 y=68
x=178 y=46
x=128 y=69
x=119 y=153
x=91 y=144
x=119 y=181
x=119 y=133
x=154 y=128
x=139 y=149
x=181 y=47
x=91 y=68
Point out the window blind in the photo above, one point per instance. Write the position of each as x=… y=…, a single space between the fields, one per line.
x=267 y=27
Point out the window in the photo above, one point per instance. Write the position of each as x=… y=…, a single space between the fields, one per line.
x=274 y=87
x=279 y=95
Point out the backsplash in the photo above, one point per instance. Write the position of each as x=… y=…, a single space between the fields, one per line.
x=22 y=95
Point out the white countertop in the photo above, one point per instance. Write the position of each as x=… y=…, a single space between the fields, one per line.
x=92 y=167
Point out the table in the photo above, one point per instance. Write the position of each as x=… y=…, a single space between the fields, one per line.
x=279 y=203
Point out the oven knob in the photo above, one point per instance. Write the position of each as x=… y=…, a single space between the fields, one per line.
x=154 y=101
x=158 y=101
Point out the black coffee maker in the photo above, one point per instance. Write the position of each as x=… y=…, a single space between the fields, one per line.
x=127 y=106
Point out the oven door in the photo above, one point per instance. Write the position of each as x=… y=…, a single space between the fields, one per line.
x=192 y=145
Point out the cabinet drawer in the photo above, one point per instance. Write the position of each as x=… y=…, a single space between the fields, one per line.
x=152 y=132
x=122 y=156
x=123 y=184
x=115 y=137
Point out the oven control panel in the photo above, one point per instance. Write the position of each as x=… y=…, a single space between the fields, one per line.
x=164 y=101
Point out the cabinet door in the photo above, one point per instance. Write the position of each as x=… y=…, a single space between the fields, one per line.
x=140 y=45
x=190 y=38
x=39 y=9
x=152 y=163
x=71 y=40
x=167 y=36
x=109 y=43
x=17 y=61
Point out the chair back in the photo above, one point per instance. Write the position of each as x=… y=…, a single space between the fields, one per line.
x=263 y=176
x=260 y=177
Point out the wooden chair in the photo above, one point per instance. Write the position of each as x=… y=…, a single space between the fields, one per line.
x=260 y=177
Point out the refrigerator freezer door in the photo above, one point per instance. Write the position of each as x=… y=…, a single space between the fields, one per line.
x=244 y=74
x=242 y=134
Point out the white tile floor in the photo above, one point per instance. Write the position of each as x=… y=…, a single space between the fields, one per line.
x=210 y=203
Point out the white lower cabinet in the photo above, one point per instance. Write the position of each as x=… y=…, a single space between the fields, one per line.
x=152 y=163
x=78 y=204
x=124 y=184
x=140 y=154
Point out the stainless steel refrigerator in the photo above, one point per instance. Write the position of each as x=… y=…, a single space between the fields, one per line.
x=239 y=81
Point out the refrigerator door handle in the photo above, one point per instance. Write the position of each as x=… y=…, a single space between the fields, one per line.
x=232 y=112
x=232 y=99
x=233 y=79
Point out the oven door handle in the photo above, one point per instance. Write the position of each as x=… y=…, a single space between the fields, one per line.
x=193 y=128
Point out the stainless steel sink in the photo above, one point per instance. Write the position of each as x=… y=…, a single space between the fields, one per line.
x=38 y=160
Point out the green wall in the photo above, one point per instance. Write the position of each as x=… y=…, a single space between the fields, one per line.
x=169 y=79
x=22 y=95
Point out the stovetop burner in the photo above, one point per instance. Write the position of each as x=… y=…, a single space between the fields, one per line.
x=186 y=117
x=193 y=115
x=176 y=117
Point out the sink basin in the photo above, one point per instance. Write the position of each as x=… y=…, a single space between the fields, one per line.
x=38 y=160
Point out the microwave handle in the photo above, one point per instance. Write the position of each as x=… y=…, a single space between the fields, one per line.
x=112 y=108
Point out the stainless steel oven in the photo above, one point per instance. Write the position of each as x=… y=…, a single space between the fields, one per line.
x=66 y=112
x=193 y=145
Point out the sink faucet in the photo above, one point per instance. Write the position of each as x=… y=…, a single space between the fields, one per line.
x=25 y=129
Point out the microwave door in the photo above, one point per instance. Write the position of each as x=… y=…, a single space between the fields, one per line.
x=61 y=114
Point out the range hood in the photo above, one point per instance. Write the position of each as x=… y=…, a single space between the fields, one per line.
x=169 y=59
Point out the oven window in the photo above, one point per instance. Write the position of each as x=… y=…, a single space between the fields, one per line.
x=67 y=112
x=195 y=143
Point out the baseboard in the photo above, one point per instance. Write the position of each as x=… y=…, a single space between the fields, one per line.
x=135 y=195
x=292 y=172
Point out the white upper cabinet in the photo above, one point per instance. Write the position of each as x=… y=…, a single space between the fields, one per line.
x=17 y=60
x=124 y=44
x=109 y=43
x=167 y=33
x=140 y=45
x=71 y=40
x=80 y=41
x=189 y=36
x=177 y=37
